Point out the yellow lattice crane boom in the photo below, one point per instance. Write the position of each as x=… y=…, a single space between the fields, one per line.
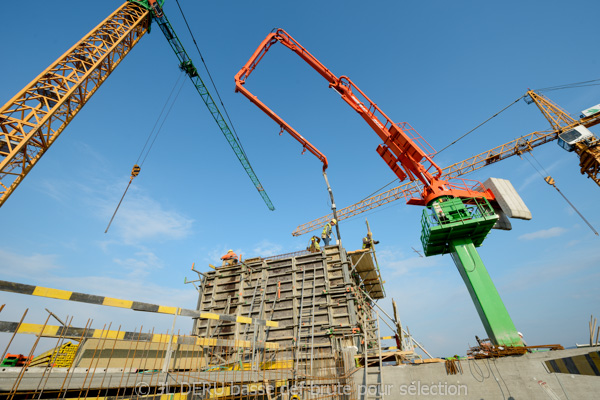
x=36 y=116
x=560 y=120
x=33 y=119
x=574 y=136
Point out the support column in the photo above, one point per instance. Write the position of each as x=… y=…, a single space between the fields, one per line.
x=498 y=324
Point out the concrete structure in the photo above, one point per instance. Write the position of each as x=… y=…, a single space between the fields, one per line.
x=516 y=377
x=317 y=299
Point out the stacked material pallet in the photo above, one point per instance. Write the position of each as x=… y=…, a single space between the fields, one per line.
x=14 y=360
x=62 y=356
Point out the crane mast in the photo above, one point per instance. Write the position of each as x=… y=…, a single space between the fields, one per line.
x=457 y=217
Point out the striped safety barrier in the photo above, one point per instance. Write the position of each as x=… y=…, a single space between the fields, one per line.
x=40 y=291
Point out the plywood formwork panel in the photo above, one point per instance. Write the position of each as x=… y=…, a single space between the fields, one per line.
x=276 y=289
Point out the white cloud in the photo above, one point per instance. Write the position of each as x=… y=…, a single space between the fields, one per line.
x=55 y=190
x=142 y=218
x=395 y=261
x=536 y=176
x=544 y=233
x=266 y=248
x=26 y=266
x=139 y=217
x=142 y=264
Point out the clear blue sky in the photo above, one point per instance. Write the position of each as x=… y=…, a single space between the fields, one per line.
x=442 y=66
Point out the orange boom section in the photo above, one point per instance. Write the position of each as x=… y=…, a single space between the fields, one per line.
x=400 y=148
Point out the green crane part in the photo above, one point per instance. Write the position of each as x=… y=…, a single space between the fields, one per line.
x=458 y=226
x=186 y=64
x=450 y=218
x=494 y=316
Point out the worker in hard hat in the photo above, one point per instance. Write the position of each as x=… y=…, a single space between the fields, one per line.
x=368 y=241
x=230 y=258
x=313 y=245
x=522 y=340
x=326 y=234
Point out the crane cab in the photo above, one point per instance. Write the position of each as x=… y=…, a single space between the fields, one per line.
x=567 y=140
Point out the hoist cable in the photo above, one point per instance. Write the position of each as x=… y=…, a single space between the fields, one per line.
x=162 y=123
x=552 y=183
x=119 y=205
x=570 y=85
x=493 y=116
x=159 y=117
x=211 y=79
x=152 y=133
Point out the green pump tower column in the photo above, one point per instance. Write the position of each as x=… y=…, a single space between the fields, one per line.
x=498 y=324
x=451 y=225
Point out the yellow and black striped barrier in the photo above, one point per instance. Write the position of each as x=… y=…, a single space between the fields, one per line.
x=40 y=291
x=584 y=364
x=76 y=333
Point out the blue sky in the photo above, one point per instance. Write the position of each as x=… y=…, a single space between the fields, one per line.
x=442 y=66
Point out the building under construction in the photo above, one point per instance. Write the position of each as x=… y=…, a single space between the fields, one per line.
x=301 y=319
x=322 y=302
x=303 y=325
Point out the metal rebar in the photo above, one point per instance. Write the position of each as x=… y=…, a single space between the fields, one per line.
x=14 y=333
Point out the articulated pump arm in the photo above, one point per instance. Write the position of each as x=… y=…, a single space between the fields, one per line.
x=399 y=150
x=457 y=218
x=240 y=80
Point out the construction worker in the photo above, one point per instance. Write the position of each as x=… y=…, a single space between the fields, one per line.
x=326 y=234
x=368 y=241
x=522 y=340
x=230 y=258
x=313 y=245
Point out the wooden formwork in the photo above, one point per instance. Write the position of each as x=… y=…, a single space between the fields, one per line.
x=281 y=290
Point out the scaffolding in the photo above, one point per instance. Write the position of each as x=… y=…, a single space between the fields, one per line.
x=323 y=304
x=300 y=324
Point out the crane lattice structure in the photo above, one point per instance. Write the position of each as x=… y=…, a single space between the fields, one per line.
x=35 y=117
x=559 y=119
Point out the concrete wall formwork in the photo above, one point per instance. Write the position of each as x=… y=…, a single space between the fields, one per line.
x=283 y=290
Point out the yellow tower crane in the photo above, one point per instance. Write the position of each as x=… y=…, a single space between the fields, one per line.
x=34 y=118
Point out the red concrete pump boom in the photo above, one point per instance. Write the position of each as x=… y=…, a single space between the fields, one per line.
x=399 y=150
